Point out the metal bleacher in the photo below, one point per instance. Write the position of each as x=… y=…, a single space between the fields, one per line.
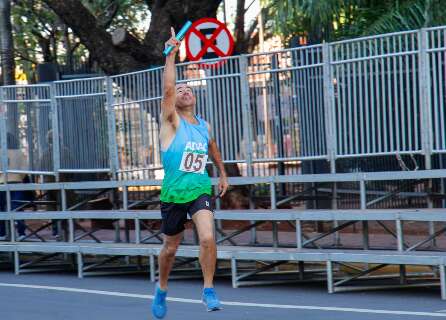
x=306 y=251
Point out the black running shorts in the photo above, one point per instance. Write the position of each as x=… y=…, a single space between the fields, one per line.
x=174 y=215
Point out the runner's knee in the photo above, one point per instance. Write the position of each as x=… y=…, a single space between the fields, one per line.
x=207 y=241
x=170 y=247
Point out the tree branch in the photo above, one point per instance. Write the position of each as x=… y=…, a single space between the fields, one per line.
x=75 y=46
x=25 y=57
x=97 y=40
x=106 y=17
x=251 y=29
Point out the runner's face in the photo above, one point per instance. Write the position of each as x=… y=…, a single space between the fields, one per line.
x=185 y=96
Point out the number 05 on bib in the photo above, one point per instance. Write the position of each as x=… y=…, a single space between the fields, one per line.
x=193 y=162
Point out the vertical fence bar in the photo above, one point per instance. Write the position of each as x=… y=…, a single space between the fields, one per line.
x=278 y=126
x=426 y=113
x=425 y=97
x=112 y=145
x=330 y=121
x=55 y=135
x=247 y=126
x=328 y=106
x=247 y=123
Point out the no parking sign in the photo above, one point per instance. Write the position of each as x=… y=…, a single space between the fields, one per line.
x=208 y=38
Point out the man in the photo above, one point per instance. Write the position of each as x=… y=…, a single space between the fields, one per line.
x=186 y=144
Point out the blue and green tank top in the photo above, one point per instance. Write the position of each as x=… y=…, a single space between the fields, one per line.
x=184 y=162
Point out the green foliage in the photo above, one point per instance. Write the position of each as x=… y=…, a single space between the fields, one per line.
x=315 y=19
x=408 y=15
x=329 y=20
x=40 y=36
x=128 y=14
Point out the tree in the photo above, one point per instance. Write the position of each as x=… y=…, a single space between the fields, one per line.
x=407 y=15
x=330 y=20
x=41 y=37
x=245 y=38
x=123 y=51
x=6 y=43
x=314 y=19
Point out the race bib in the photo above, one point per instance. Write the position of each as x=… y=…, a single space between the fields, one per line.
x=193 y=162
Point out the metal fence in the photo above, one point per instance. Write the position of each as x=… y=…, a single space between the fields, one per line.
x=373 y=96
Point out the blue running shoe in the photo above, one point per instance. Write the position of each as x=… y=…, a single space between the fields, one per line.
x=210 y=299
x=159 y=307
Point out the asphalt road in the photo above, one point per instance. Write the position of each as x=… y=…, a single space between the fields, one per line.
x=57 y=296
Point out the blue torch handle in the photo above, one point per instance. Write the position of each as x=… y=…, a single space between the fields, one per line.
x=180 y=36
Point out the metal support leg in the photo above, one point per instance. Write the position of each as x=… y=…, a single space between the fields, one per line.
x=11 y=221
x=403 y=278
x=139 y=263
x=432 y=232
x=365 y=234
x=117 y=231
x=301 y=266
x=16 y=263
x=234 y=273
x=430 y=205
x=442 y=282
x=253 y=230
x=299 y=234
x=137 y=231
x=365 y=224
x=62 y=233
x=127 y=231
x=330 y=286
x=71 y=230
x=274 y=223
x=218 y=223
x=80 y=266
x=152 y=268
x=334 y=206
x=399 y=234
x=275 y=234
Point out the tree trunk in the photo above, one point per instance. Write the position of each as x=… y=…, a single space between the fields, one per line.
x=45 y=46
x=6 y=43
x=131 y=54
x=240 y=43
x=174 y=13
x=7 y=64
x=68 y=49
x=245 y=41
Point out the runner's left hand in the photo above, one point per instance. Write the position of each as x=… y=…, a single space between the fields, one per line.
x=223 y=186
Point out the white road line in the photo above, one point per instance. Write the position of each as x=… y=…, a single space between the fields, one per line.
x=229 y=303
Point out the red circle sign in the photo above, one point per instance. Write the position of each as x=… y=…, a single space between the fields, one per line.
x=208 y=38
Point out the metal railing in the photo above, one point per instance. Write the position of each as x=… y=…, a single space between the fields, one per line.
x=371 y=96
